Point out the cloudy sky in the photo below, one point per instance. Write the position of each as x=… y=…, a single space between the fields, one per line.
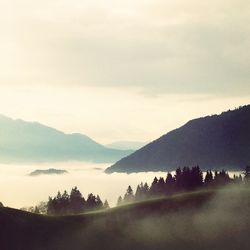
x=122 y=70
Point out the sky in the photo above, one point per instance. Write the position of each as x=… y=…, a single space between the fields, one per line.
x=122 y=70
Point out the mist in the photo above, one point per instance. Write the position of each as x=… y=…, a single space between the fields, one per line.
x=18 y=189
x=221 y=221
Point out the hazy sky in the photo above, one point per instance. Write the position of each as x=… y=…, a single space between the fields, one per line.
x=126 y=69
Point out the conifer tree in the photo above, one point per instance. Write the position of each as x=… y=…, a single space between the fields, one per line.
x=77 y=202
x=170 y=184
x=119 y=201
x=129 y=196
x=105 y=204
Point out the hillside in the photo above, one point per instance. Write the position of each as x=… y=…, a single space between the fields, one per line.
x=198 y=220
x=213 y=142
x=23 y=141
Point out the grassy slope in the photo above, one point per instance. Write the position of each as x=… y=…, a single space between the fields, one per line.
x=181 y=221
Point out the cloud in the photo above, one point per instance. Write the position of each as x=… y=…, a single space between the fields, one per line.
x=158 y=46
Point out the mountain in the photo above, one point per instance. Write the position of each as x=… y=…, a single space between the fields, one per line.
x=217 y=141
x=126 y=145
x=50 y=171
x=22 y=141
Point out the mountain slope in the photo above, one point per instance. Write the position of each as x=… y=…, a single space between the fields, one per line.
x=218 y=141
x=22 y=141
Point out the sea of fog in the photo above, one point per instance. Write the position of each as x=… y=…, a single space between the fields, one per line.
x=18 y=189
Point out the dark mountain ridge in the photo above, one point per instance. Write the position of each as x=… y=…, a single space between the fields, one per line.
x=216 y=142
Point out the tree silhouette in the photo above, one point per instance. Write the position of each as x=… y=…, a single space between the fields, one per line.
x=196 y=178
x=154 y=187
x=208 y=178
x=99 y=203
x=91 y=201
x=142 y=192
x=178 y=178
x=50 y=206
x=161 y=186
x=170 y=184
x=129 y=196
x=43 y=207
x=185 y=179
x=65 y=203
x=73 y=203
x=237 y=179
x=105 y=204
x=145 y=190
x=138 y=192
x=119 y=201
x=221 y=178
x=77 y=202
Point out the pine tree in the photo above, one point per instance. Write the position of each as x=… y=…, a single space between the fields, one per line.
x=187 y=180
x=154 y=187
x=161 y=186
x=119 y=201
x=57 y=203
x=65 y=203
x=106 y=205
x=91 y=201
x=98 y=202
x=178 y=178
x=221 y=178
x=129 y=196
x=138 y=193
x=170 y=184
x=196 y=178
x=145 y=191
x=77 y=202
x=50 y=207
x=208 y=178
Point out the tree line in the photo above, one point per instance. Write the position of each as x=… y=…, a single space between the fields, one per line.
x=74 y=203
x=68 y=204
x=185 y=179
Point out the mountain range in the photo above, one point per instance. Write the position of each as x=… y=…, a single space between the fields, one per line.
x=22 y=141
x=212 y=142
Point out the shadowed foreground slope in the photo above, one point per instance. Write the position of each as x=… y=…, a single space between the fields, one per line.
x=199 y=220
